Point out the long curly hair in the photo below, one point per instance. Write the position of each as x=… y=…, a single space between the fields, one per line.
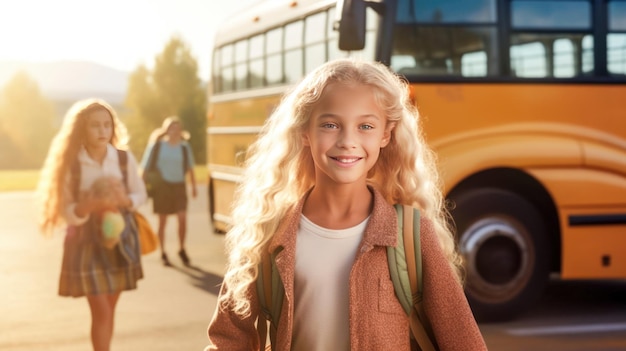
x=279 y=170
x=54 y=178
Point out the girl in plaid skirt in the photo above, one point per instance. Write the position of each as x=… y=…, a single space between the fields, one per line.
x=87 y=148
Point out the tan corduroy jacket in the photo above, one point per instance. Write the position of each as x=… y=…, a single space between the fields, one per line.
x=377 y=320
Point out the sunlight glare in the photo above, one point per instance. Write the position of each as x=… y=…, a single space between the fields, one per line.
x=82 y=30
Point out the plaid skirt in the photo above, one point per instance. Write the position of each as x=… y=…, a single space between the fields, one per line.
x=89 y=268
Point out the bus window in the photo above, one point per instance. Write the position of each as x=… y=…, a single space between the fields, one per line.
x=241 y=65
x=616 y=55
x=474 y=64
x=528 y=60
x=451 y=11
x=616 y=42
x=438 y=38
x=551 y=55
x=551 y=14
x=274 y=53
x=293 y=51
x=257 y=62
x=314 y=41
x=227 y=72
x=617 y=15
x=587 y=47
x=537 y=53
x=402 y=62
x=332 y=44
x=564 y=58
x=449 y=50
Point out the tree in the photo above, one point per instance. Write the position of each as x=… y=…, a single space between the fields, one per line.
x=146 y=112
x=10 y=157
x=26 y=123
x=171 y=88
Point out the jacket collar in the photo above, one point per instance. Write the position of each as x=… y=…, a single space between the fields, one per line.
x=381 y=230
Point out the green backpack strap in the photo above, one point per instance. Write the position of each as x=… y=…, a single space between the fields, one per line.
x=397 y=258
x=405 y=268
x=271 y=293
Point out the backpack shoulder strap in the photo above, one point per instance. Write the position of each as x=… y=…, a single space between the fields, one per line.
x=405 y=267
x=154 y=154
x=264 y=292
x=122 y=157
x=398 y=260
x=271 y=292
x=185 y=158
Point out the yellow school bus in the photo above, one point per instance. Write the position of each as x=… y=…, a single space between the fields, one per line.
x=522 y=100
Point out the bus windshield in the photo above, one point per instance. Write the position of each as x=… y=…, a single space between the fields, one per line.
x=445 y=38
x=538 y=39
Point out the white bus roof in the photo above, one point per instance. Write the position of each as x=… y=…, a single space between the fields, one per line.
x=264 y=15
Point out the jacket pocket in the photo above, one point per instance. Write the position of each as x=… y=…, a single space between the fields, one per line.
x=387 y=299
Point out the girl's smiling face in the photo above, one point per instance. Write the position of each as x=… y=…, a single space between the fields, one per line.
x=346 y=131
x=99 y=129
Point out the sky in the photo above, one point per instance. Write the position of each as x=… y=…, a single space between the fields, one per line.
x=117 y=33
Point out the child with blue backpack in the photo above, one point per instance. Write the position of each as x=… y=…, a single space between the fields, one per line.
x=169 y=156
x=316 y=206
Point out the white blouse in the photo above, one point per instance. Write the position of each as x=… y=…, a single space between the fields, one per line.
x=90 y=170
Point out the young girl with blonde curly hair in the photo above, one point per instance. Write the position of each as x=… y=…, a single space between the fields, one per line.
x=85 y=149
x=317 y=194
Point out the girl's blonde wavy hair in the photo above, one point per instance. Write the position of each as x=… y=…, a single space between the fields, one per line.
x=63 y=152
x=279 y=170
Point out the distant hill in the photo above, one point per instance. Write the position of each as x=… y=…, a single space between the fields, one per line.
x=71 y=80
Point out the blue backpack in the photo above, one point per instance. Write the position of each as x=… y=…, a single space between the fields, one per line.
x=405 y=268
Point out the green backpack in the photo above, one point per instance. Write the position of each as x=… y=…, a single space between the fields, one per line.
x=405 y=268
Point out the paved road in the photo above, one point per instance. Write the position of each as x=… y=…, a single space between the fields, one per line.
x=169 y=311
x=570 y=316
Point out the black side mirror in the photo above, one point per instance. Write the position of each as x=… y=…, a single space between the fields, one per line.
x=351 y=24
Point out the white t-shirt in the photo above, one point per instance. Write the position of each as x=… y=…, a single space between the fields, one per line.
x=324 y=258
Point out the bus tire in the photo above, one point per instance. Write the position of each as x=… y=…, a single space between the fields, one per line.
x=503 y=240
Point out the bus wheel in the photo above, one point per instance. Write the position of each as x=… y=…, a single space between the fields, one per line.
x=503 y=240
